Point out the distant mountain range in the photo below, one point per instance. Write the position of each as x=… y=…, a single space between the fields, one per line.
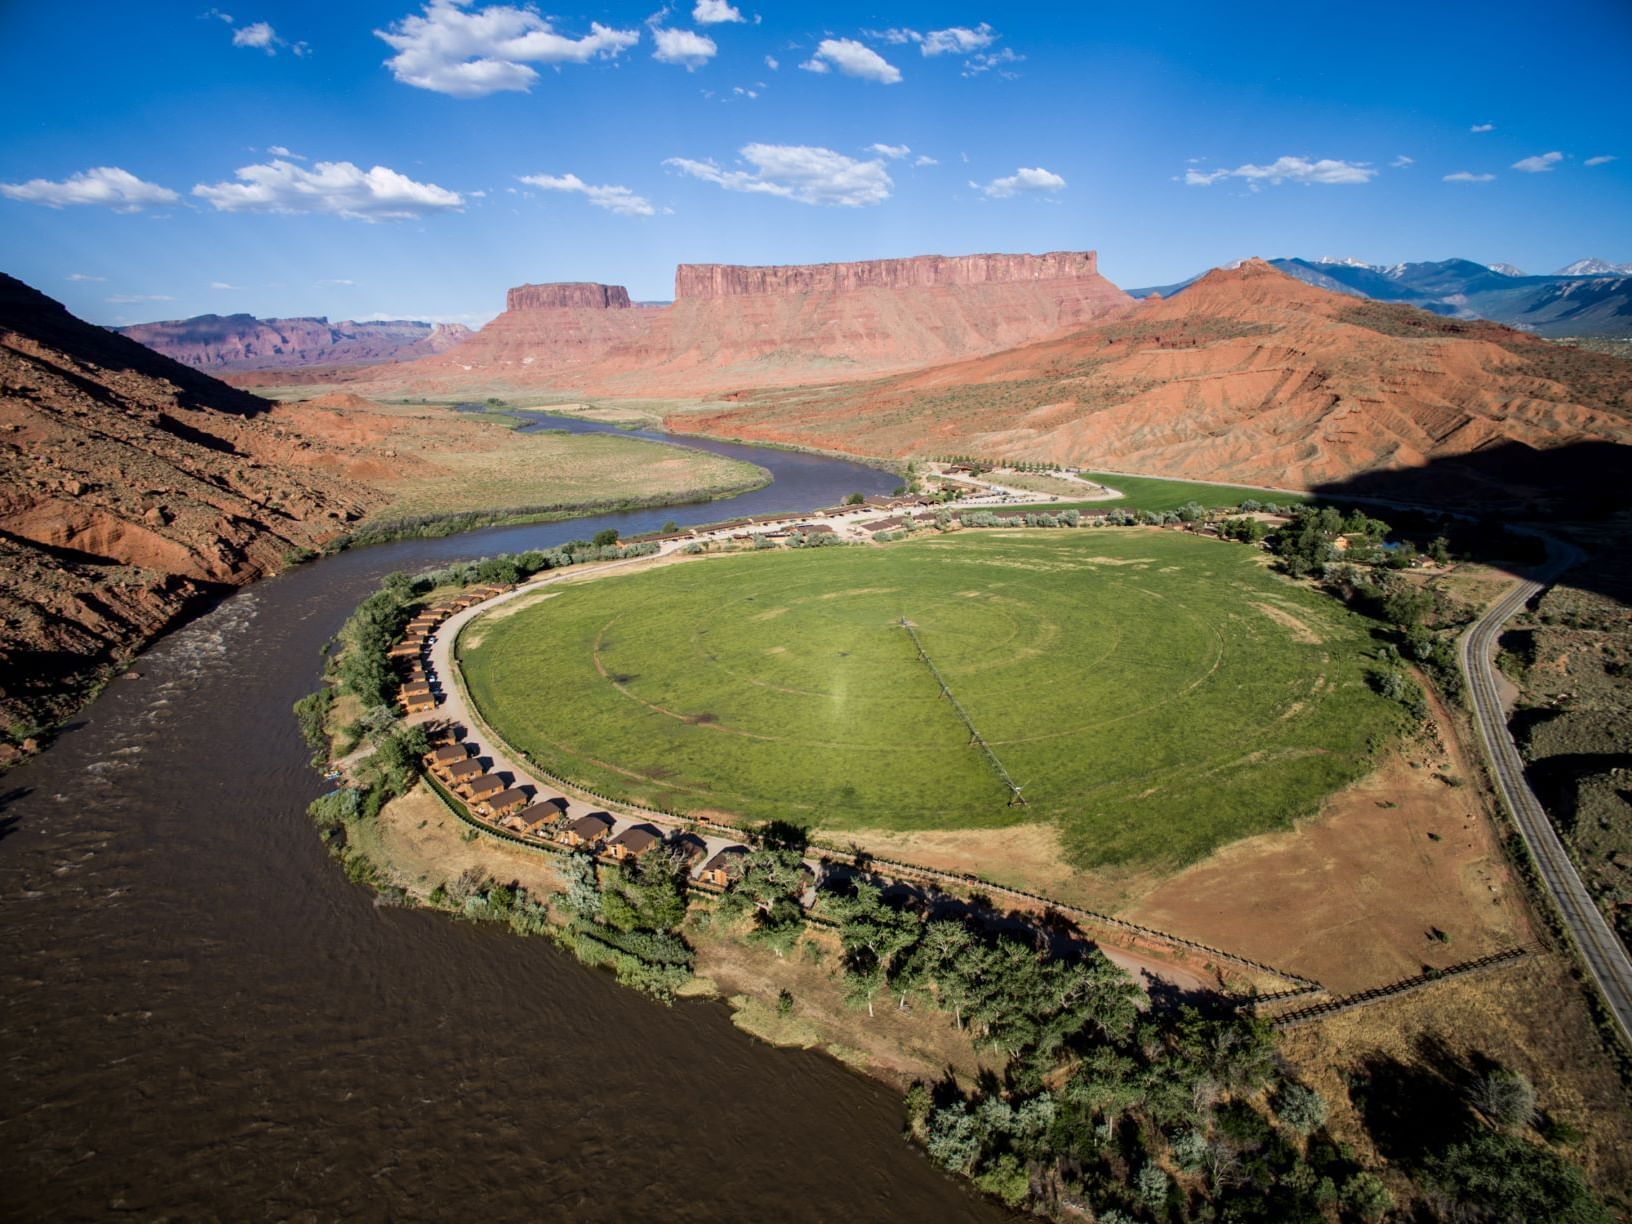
x=243 y=342
x=1590 y=297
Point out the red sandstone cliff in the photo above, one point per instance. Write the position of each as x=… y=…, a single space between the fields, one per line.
x=568 y=295
x=692 y=281
x=733 y=327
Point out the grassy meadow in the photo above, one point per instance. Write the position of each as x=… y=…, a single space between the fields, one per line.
x=1156 y=694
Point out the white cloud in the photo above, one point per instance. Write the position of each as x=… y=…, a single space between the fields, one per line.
x=924 y=159
x=958 y=40
x=772 y=63
x=127 y=299
x=280 y=151
x=853 y=59
x=893 y=152
x=1022 y=180
x=985 y=61
x=687 y=48
x=473 y=54
x=808 y=174
x=1288 y=169
x=1483 y=127
x=338 y=282
x=1542 y=163
x=217 y=14
x=1468 y=176
x=1402 y=161
x=898 y=36
x=223 y=285
x=712 y=12
x=339 y=189
x=260 y=35
x=1601 y=160
x=80 y=277
x=618 y=200
x=109 y=186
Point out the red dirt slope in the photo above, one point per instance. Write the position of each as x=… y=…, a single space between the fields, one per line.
x=130 y=488
x=1249 y=375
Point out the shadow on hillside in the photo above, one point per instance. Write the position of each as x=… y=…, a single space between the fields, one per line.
x=30 y=313
x=1575 y=489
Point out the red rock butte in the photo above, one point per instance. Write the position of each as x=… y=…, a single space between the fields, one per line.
x=733 y=327
x=567 y=295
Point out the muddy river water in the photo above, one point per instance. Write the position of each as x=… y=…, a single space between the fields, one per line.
x=201 y=1018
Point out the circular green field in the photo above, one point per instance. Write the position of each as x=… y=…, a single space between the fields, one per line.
x=1153 y=693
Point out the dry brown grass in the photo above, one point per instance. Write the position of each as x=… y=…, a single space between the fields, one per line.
x=500 y=470
x=893 y=1045
x=1528 y=1016
x=420 y=844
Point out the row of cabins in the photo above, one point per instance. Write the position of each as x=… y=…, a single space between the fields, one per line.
x=455 y=763
x=418 y=694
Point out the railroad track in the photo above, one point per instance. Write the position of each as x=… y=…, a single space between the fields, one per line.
x=1601 y=951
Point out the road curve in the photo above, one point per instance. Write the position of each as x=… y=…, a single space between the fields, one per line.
x=1601 y=951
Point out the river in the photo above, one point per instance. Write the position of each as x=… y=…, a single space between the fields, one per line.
x=203 y=1019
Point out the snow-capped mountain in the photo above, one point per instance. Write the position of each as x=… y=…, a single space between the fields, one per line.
x=1595 y=267
x=1589 y=298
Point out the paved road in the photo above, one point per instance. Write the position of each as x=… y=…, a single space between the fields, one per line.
x=1604 y=954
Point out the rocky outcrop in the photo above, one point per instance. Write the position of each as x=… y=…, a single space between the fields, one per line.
x=567 y=295
x=131 y=489
x=243 y=342
x=1250 y=376
x=698 y=281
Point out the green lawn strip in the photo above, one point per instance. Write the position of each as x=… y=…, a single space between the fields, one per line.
x=1150 y=493
x=1125 y=678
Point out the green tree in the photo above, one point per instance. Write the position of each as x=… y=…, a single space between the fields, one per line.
x=855 y=499
x=1498 y=1176
x=606 y=537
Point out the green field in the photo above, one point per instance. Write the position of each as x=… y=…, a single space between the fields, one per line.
x=1156 y=694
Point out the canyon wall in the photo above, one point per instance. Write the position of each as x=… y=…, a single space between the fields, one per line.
x=243 y=342
x=702 y=281
x=736 y=327
x=567 y=295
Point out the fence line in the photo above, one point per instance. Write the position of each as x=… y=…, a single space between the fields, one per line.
x=1405 y=986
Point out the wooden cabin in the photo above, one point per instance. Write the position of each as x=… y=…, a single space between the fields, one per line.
x=419 y=689
x=418 y=704
x=587 y=831
x=404 y=650
x=724 y=866
x=448 y=754
x=635 y=841
x=483 y=787
x=505 y=803
x=463 y=771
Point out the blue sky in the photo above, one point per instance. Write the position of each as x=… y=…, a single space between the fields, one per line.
x=166 y=160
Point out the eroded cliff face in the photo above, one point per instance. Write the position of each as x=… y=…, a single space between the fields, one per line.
x=702 y=281
x=733 y=327
x=567 y=295
x=131 y=488
x=243 y=342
